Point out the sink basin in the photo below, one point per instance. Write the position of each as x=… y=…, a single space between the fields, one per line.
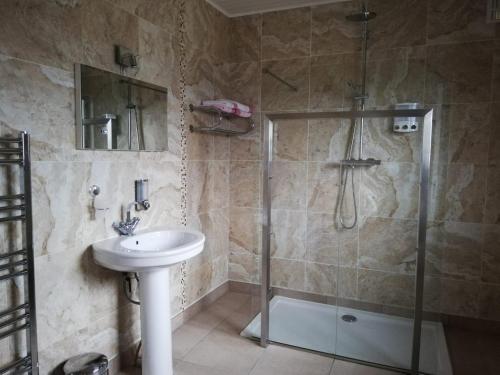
x=160 y=247
x=150 y=253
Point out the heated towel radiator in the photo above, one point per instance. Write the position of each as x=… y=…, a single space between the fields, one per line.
x=17 y=264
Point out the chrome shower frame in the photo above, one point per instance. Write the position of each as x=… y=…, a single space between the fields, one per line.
x=425 y=160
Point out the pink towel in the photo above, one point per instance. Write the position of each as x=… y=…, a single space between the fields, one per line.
x=229 y=106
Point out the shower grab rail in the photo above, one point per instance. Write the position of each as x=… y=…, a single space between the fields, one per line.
x=19 y=262
x=279 y=79
x=216 y=129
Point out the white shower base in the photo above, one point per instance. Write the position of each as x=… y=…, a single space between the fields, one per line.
x=377 y=338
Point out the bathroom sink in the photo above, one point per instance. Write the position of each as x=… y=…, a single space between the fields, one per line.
x=150 y=253
x=151 y=248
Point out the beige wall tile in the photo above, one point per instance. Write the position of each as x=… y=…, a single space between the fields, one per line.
x=46 y=32
x=395 y=76
x=278 y=96
x=288 y=189
x=245 y=230
x=103 y=26
x=459 y=21
x=245 y=33
x=491 y=254
x=288 y=274
x=489 y=306
x=380 y=142
x=331 y=33
x=331 y=81
x=244 y=268
x=386 y=288
x=248 y=146
x=392 y=28
x=323 y=181
x=494 y=139
x=156 y=52
x=469 y=132
x=388 y=245
x=328 y=139
x=459 y=297
x=321 y=279
x=459 y=73
x=390 y=190
x=492 y=206
x=39 y=99
x=288 y=237
x=328 y=244
x=290 y=140
x=244 y=184
x=279 y=41
x=240 y=82
x=465 y=193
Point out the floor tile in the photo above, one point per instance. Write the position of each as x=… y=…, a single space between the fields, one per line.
x=224 y=350
x=186 y=337
x=278 y=360
x=349 y=368
x=186 y=368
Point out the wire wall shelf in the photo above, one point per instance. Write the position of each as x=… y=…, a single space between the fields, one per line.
x=217 y=129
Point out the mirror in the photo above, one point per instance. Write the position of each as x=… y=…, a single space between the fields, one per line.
x=115 y=112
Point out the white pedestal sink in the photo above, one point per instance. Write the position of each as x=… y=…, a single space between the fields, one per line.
x=150 y=253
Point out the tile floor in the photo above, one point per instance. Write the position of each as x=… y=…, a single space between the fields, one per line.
x=473 y=352
x=210 y=344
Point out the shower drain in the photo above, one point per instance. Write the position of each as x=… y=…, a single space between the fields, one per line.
x=349 y=318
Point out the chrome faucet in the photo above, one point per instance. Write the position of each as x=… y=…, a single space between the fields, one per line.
x=127 y=227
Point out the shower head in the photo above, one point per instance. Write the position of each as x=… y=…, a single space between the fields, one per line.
x=362 y=16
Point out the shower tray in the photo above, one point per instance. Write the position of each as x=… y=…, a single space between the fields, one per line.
x=320 y=327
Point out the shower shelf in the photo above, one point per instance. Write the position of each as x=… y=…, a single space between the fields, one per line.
x=217 y=130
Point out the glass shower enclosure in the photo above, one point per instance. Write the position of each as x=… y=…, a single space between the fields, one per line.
x=309 y=303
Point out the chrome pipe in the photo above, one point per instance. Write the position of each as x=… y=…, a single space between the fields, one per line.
x=10 y=140
x=29 y=286
x=10 y=265
x=13 y=161
x=12 y=331
x=17 y=207
x=25 y=362
x=12 y=218
x=13 y=254
x=10 y=151
x=11 y=321
x=12 y=310
x=13 y=275
x=11 y=197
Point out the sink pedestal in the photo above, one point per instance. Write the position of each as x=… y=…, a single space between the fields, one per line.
x=156 y=329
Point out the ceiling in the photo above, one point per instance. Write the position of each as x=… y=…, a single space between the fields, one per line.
x=235 y=8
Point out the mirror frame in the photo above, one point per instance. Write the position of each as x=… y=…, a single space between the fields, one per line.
x=78 y=106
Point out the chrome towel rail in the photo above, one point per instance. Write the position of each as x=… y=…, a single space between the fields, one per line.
x=20 y=366
x=12 y=310
x=11 y=197
x=19 y=263
x=12 y=254
x=12 y=208
x=12 y=218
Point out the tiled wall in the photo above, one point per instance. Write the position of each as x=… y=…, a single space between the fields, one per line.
x=441 y=54
x=80 y=305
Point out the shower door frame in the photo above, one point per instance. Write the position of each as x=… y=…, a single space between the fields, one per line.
x=425 y=161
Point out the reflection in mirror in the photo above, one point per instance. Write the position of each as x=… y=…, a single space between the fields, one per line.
x=115 y=112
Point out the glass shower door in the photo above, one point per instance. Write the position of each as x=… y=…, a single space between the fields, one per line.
x=375 y=319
